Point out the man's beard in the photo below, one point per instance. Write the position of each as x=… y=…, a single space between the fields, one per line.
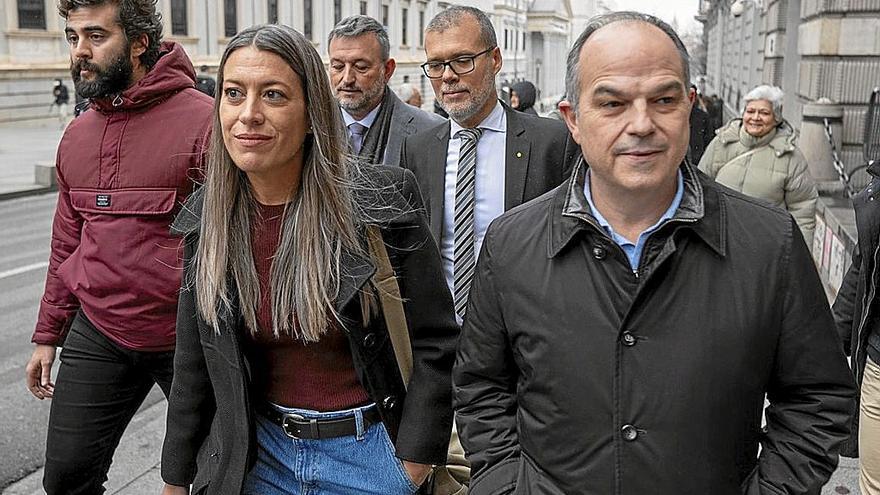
x=368 y=96
x=110 y=80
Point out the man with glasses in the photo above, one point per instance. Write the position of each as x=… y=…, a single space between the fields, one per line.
x=360 y=68
x=488 y=158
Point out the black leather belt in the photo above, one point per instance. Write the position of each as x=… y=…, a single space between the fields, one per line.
x=300 y=427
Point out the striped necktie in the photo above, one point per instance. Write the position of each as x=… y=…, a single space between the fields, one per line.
x=464 y=257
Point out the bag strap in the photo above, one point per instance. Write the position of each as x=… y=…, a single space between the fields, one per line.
x=739 y=157
x=390 y=303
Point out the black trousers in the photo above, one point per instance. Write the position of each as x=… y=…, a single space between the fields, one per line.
x=99 y=387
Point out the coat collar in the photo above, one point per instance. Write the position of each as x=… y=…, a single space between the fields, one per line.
x=702 y=210
x=355 y=271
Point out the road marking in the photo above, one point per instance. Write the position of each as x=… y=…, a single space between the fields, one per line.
x=23 y=269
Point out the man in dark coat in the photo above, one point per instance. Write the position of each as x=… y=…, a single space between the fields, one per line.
x=360 y=68
x=702 y=132
x=858 y=324
x=624 y=329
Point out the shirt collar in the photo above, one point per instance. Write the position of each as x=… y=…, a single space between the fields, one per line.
x=366 y=121
x=495 y=121
x=669 y=213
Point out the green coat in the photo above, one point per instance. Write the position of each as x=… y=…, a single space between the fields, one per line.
x=777 y=172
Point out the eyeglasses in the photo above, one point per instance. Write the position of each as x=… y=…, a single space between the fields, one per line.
x=460 y=65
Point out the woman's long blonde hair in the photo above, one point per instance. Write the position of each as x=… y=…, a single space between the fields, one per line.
x=319 y=224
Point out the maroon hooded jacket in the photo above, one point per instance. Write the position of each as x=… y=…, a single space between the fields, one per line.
x=123 y=171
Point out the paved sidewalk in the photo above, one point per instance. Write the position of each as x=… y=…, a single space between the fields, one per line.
x=23 y=146
x=135 y=469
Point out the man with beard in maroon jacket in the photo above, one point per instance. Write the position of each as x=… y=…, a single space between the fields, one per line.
x=114 y=271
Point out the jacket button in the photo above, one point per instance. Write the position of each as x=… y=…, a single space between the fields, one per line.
x=370 y=340
x=629 y=433
x=599 y=252
x=629 y=339
x=389 y=402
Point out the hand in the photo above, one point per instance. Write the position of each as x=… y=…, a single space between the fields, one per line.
x=175 y=490
x=39 y=372
x=418 y=473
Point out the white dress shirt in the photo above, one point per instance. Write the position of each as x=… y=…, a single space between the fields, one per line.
x=488 y=189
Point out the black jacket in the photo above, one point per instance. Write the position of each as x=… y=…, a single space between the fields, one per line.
x=209 y=440
x=576 y=376
x=855 y=309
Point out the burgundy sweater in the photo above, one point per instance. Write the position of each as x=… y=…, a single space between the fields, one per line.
x=319 y=376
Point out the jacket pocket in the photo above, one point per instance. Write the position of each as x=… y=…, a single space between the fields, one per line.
x=532 y=480
x=134 y=201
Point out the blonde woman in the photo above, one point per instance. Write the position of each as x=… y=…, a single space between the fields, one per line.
x=280 y=384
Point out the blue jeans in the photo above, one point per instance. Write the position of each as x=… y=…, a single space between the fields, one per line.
x=359 y=464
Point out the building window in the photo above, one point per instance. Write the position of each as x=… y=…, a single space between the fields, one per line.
x=385 y=15
x=363 y=8
x=404 y=21
x=31 y=14
x=524 y=41
x=230 y=18
x=337 y=11
x=506 y=37
x=178 y=17
x=421 y=28
x=272 y=11
x=307 y=19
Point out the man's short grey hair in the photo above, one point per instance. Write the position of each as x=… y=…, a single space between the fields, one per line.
x=572 y=73
x=405 y=91
x=357 y=25
x=772 y=94
x=453 y=16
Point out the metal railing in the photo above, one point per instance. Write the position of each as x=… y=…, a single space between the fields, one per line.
x=870 y=151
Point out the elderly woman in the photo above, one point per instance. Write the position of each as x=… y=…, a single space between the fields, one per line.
x=284 y=380
x=757 y=155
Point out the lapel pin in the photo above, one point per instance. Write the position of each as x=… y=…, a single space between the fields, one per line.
x=519 y=154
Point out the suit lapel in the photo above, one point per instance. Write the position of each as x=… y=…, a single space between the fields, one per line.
x=436 y=167
x=400 y=128
x=516 y=164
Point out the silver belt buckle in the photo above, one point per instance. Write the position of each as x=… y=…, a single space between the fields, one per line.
x=285 y=417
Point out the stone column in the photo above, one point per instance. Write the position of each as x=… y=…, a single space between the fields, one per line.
x=815 y=145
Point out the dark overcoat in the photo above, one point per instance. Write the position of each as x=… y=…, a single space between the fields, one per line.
x=209 y=440
x=576 y=375
x=855 y=308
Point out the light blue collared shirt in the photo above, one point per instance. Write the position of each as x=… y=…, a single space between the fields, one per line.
x=488 y=189
x=634 y=250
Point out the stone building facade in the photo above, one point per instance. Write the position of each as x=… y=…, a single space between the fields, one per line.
x=534 y=36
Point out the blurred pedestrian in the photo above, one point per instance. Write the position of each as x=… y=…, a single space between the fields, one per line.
x=285 y=382
x=360 y=68
x=61 y=97
x=111 y=291
x=522 y=97
x=855 y=310
x=701 y=130
x=205 y=82
x=758 y=155
x=410 y=94
x=625 y=329
x=488 y=158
